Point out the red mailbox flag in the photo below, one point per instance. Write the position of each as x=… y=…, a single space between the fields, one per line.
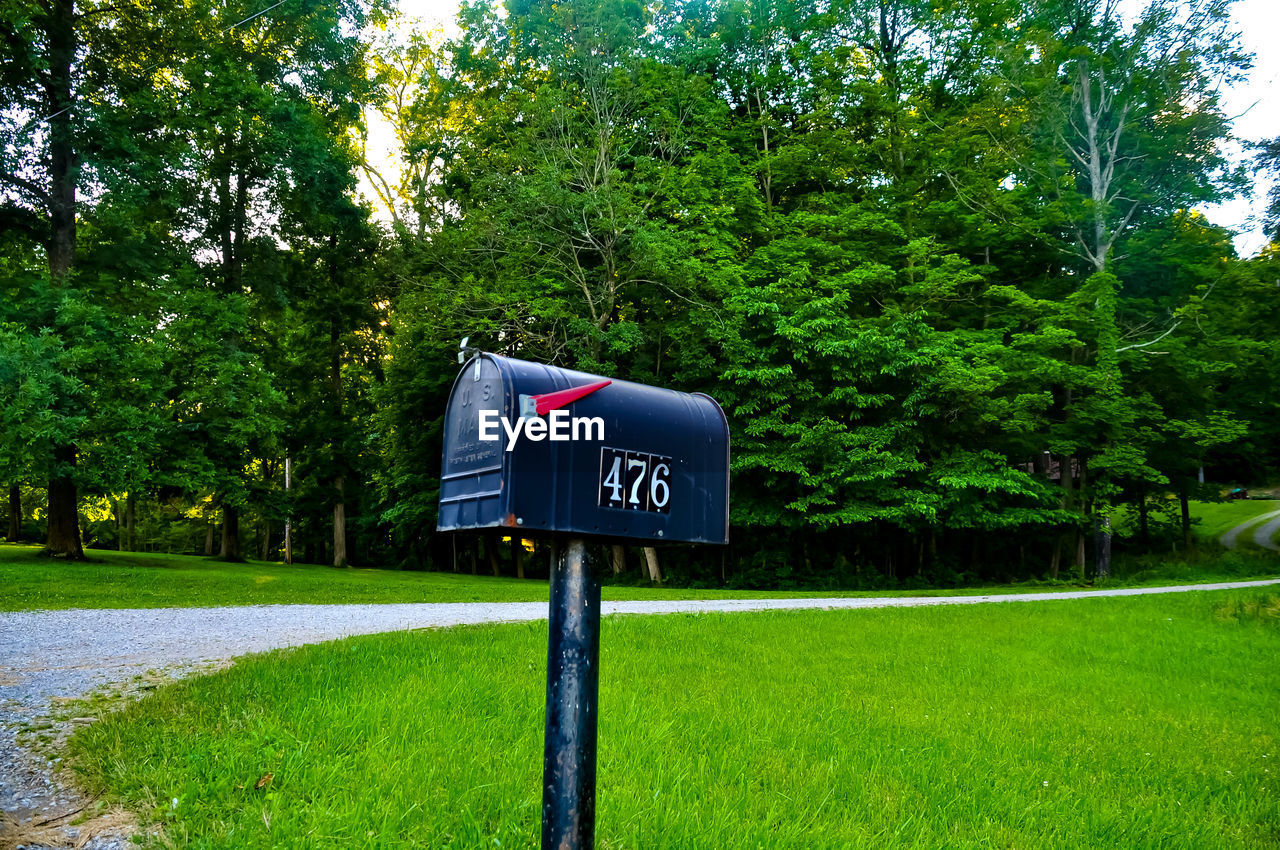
x=548 y=402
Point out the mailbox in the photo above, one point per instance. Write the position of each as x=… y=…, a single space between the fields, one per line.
x=545 y=450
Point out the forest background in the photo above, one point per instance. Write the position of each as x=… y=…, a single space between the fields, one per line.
x=939 y=260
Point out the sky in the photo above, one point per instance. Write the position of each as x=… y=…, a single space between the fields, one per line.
x=1253 y=105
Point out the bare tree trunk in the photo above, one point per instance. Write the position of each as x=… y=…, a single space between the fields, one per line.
x=15 y=513
x=266 y=540
x=130 y=520
x=1143 y=525
x=517 y=556
x=1055 y=561
x=651 y=557
x=64 y=510
x=491 y=549
x=619 y=561
x=208 y=539
x=340 y=527
x=335 y=386
x=230 y=533
x=1102 y=552
x=1185 y=503
x=288 y=523
x=1085 y=511
x=64 y=503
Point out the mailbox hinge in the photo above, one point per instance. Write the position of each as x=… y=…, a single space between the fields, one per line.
x=465 y=351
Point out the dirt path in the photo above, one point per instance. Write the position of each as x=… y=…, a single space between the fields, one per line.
x=48 y=657
x=1263 y=536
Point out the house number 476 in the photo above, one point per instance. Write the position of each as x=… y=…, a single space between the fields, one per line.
x=636 y=481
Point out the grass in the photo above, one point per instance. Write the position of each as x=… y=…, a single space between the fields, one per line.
x=137 y=580
x=1217 y=518
x=1123 y=722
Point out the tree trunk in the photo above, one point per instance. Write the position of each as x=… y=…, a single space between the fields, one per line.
x=491 y=549
x=1055 y=561
x=1080 y=552
x=15 y=513
x=288 y=522
x=231 y=533
x=62 y=156
x=1185 y=501
x=266 y=540
x=619 y=561
x=1102 y=550
x=517 y=556
x=208 y=539
x=64 y=509
x=130 y=520
x=1144 y=528
x=335 y=386
x=651 y=557
x=340 y=527
x=64 y=521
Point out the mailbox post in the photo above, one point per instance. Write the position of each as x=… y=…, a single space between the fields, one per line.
x=552 y=453
x=573 y=679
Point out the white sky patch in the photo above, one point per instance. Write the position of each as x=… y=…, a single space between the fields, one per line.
x=1254 y=106
x=381 y=150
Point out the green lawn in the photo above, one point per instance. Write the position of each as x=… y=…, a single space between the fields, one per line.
x=134 y=580
x=1217 y=518
x=1135 y=722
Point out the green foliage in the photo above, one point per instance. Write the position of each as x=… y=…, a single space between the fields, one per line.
x=928 y=256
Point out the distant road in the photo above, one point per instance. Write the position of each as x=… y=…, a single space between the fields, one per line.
x=46 y=654
x=1263 y=536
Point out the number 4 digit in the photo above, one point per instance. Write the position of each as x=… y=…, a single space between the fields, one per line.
x=614 y=479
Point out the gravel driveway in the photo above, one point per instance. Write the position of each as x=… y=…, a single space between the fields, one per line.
x=1262 y=536
x=47 y=656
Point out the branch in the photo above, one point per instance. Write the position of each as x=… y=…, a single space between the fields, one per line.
x=32 y=190
x=1171 y=329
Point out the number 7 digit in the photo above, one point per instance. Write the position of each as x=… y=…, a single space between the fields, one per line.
x=632 y=463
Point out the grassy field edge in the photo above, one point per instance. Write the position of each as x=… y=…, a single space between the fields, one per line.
x=1137 y=721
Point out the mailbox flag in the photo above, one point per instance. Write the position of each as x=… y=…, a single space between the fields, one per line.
x=547 y=402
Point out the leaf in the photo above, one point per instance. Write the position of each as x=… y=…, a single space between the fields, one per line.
x=263 y=781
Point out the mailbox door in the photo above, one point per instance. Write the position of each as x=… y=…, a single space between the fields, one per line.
x=472 y=490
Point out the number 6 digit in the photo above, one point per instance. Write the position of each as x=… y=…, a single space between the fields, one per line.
x=659 y=480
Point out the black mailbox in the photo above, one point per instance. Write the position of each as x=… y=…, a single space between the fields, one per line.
x=578 y=454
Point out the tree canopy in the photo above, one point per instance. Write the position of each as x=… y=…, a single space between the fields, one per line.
x=941 y=263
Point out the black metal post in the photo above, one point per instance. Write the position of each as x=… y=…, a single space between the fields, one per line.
x=573 y=677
